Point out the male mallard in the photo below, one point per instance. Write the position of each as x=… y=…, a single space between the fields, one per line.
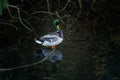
x=52 y=39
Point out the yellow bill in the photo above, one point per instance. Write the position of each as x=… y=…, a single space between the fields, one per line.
x=58 y=27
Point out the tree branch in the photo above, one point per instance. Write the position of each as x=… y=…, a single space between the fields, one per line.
x=9 y=25
x=64 y=7
x=59 y=17
x=19 y=16
x=43 y=12
x=48 y=5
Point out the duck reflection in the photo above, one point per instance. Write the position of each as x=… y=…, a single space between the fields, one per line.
x=56 y=57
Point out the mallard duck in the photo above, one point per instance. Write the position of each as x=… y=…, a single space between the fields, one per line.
x=52 y=39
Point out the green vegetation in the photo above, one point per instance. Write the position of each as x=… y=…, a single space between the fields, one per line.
x=3 y=5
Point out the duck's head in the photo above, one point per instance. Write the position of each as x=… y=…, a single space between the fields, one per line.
x=56 y=24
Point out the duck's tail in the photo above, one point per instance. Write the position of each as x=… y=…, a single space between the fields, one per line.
x=39 y=41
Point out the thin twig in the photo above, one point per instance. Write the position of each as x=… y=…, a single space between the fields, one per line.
x=29 y=65
x=43 y=12
x=19 y=17
x=64 y=7
x=59 y=17
x=80 y=5
x=66 y=16
x=48 y=5
x=24 y=12
x=68 y=2
x=9 y=12
x=9 y=25
x=27 y=22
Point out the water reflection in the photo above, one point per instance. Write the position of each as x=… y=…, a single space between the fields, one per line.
x=50 y=65
x=53 y=59
x=56 y=57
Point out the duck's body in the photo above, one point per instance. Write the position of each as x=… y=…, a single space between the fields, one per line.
x=51 y=39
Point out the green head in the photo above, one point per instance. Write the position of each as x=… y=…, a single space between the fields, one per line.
x=56 y=23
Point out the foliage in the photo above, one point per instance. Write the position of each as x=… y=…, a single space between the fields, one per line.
x=3 y=5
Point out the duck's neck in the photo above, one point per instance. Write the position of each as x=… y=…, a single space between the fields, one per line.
x=60 y=33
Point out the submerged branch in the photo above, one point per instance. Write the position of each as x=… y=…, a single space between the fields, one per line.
x=29 y=65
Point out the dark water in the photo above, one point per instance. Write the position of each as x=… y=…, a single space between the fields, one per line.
x=65 y=68
x=82 y=59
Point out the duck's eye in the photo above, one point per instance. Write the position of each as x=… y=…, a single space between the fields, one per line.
x=57 y=23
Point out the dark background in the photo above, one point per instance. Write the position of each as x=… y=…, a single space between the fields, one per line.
x=91 y=43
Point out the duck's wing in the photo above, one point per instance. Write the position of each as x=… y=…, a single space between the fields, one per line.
x=49 y=38
x=52 y=40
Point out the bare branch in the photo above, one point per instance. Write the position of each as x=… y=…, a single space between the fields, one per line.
x=64 y=7
x=48 y=5
x=60 y=17
x=24 y=11
x=68 y=2
x=19 y=16
x=66 y=16
x=9 y=25
x=80 y=5
x=43 y=12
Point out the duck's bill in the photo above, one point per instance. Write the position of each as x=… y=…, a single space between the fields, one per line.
x=58 y=27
